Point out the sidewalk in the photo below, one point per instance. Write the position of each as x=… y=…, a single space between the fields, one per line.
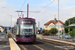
x=4 y=43
x=54 y=37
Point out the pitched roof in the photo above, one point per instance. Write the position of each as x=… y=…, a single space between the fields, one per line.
x=54 y=21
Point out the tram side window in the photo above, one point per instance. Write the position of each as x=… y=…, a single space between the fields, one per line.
x=17 y=30
x=35 y=29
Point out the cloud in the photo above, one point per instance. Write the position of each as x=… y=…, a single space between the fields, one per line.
x=6 y=12
x=2 y=2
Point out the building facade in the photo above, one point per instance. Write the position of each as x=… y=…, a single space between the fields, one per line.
x=1 y=28
x=54 y=24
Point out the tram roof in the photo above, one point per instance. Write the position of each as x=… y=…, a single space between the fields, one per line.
x=26 y=19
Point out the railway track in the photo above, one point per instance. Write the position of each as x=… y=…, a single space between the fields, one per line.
x=43 y=45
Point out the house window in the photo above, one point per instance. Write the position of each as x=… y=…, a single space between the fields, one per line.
x=58 y=26
x=51 y=26
x=62 y=26
x=46 y=26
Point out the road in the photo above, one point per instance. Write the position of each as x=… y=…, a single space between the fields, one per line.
x=44 y=45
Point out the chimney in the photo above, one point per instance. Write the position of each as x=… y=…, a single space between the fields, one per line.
x=55 y=20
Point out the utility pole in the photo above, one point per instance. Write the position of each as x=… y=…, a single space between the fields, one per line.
x=11 y=20
x=39 y=25
x=54 y=21
x=69 y=27
x=58 y=19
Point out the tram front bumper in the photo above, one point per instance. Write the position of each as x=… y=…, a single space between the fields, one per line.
x=25 y=39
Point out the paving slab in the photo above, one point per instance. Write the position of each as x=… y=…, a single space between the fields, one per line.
x=4 y=43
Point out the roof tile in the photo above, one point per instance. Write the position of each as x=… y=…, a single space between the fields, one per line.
x=52 y=21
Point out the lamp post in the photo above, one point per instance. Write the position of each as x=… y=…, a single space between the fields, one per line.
x=11 y=22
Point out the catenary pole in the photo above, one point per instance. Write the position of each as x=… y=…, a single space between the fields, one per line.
x=58 y=19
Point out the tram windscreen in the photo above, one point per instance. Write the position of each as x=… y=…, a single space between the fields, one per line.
x=26 y=29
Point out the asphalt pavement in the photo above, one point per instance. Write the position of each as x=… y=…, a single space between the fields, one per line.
x=42 y=44
x=4 y=43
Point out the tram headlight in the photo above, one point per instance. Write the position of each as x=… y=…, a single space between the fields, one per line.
x=22 y=22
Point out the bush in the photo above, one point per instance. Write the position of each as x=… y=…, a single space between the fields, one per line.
x=0 y=31
x=62 y=32
x=49 y=32
x=45 y=32
x=73 y=32
x=70 y=33
x=53 y=31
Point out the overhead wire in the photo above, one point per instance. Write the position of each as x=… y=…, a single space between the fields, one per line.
x=45 y=6
x=23 y=5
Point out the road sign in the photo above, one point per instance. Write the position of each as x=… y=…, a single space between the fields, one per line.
x=7 y=28
x=41 y=29
x=15 y=29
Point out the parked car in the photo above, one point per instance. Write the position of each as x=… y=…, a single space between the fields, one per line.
x=65 y=35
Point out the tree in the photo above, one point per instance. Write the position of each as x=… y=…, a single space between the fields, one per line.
x=66 y=29
x=70 y=21
x=53 y=31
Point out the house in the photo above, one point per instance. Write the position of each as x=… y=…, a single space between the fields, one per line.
x=54 y=24
x=1 y=28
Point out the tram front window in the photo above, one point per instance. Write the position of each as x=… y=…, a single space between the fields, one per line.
x=26 y=29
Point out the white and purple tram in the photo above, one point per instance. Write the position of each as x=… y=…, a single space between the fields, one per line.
x=25 y=30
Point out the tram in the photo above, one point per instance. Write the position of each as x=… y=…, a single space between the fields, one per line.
x=25 y=30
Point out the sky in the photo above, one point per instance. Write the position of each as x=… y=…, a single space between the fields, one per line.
x=8 y=8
